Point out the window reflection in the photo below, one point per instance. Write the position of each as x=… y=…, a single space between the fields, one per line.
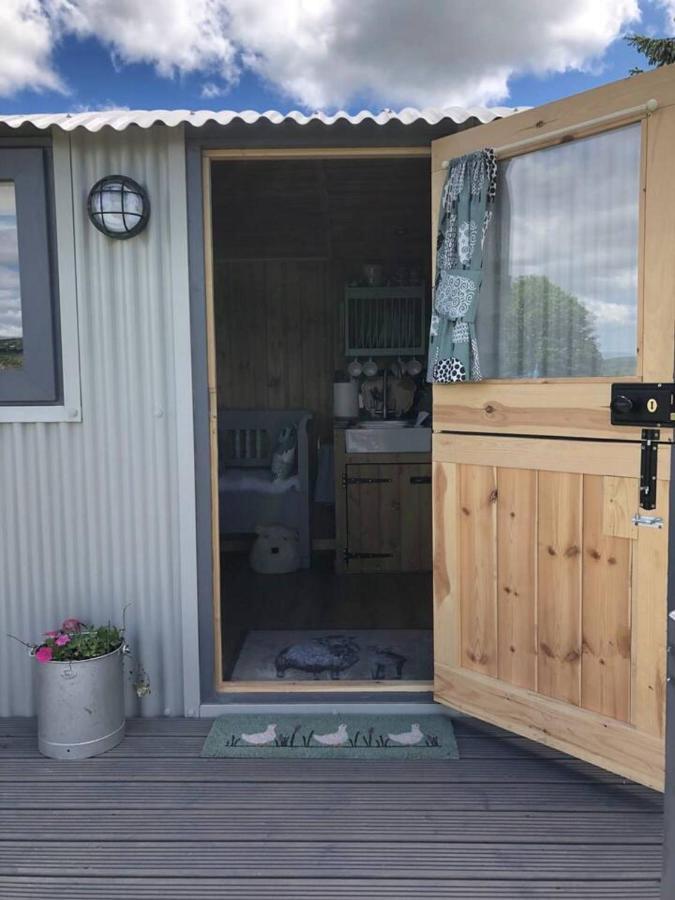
x=559 y=294
x=11 y=330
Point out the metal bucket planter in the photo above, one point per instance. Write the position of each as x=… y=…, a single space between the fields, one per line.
x=81 y=706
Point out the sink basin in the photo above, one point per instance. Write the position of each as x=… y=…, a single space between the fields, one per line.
x=392 y=439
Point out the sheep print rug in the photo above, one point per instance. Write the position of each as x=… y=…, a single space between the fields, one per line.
x=332 y=736
x=354 y=655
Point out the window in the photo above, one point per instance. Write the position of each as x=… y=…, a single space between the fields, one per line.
x=28 y=302
x=559 y=295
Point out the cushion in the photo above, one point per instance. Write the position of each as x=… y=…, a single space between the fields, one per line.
x=284 y=453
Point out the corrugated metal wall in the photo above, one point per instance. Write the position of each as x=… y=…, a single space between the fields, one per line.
x=90 y=512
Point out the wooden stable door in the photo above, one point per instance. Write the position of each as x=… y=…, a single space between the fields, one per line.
x=550 y=602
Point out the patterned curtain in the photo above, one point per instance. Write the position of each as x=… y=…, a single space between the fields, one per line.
x=467 y=202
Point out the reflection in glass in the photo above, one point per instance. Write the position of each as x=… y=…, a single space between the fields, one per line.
x=559 y=294
x=11 y=330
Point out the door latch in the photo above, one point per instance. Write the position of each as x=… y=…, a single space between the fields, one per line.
x=648 y=521
x=649 y=456
x=651 y=406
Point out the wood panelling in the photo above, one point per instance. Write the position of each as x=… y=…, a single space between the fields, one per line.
x=532 y=588
x=415 y=521
x=604 y=742
x=619 y=497
x=339 y=208
x=559 y=589
x=649 y=620
x=591 y=457
x=447 y=622
x=288 y=235
x=516 y=566
x=559 y=409
x=478 y=565
x=606 y=644
x=276 y=335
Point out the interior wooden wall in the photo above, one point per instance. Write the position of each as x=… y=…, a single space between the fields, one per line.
x=288 y=236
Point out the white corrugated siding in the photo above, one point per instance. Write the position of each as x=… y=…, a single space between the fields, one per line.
x=119 y=119
x=90 y=510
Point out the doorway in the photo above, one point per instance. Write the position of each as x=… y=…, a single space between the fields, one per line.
x=320 y=420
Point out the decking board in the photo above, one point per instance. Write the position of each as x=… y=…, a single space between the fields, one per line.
x=151 y=819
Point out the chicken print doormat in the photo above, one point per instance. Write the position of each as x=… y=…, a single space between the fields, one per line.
x=332 y=736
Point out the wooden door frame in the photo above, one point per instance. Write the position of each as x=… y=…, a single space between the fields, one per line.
x=263 y=154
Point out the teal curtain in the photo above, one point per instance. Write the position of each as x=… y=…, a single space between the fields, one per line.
x=467 y=202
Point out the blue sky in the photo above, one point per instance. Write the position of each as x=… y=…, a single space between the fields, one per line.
x=93 y=60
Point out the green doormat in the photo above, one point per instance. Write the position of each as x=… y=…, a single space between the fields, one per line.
x=333 y=736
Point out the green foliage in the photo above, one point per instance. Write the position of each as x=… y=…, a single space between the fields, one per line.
x=84 y=642
x=658 y=51
x=547 y=332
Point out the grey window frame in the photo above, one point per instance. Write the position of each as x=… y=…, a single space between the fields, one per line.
x=38 y=381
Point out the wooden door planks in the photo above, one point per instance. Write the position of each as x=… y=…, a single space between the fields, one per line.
x=516 y=567
x=536 y=586
x=606 y=637
x=478 y=567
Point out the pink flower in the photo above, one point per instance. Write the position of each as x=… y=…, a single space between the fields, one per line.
x=62 y=640
x=44 y=654
x=72 y=625
x=51 y=634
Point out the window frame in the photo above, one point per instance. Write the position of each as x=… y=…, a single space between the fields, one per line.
x=60 y=230
x=38 y=379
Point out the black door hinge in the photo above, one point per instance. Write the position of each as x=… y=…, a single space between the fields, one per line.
x=358 y=479
x=347 y=555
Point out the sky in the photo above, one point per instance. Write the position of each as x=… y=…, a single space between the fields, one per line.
x=75 y=55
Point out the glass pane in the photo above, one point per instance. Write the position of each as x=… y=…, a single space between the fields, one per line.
x=11 y=330
x=559 y=294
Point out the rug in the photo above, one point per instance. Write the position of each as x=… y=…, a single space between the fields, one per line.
x=348 y=655
x=331 y=736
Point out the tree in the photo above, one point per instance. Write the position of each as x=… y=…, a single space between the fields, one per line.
x=658 y=51
x=546 y=332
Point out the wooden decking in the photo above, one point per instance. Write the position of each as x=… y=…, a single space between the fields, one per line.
x=151 y=819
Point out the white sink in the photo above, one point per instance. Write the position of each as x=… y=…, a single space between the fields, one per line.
x=378 y=439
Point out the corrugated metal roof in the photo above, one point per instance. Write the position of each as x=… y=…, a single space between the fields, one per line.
x=119 y=119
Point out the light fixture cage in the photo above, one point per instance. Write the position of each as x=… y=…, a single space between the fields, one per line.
x=118 y=206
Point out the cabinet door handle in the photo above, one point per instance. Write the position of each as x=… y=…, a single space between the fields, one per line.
x=420 y=479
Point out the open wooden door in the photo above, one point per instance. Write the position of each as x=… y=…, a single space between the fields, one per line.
x=550 y=603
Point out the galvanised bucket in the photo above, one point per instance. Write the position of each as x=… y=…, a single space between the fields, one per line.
x=80 y=706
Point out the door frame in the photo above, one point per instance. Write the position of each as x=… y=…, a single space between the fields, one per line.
x=207 y=156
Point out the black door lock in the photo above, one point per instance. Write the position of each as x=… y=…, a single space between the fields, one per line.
x=644 y=405
x=650 y=407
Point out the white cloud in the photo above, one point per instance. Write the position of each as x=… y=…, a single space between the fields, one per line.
x=211 y=89
x=326 y=53
x=669 y=15
x=25 y=57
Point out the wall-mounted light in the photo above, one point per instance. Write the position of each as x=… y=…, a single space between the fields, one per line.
x=118 y=206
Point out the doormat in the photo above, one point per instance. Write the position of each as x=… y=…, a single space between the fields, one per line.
x=349 y=655
x=332 y=736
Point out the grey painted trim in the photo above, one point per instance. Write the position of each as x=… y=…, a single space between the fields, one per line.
x=200 y=395
x=668 y=884
x=293 y=706
x=38 y=380
x=316 y=134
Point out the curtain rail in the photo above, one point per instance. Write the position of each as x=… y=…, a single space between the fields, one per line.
x=645 y=108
